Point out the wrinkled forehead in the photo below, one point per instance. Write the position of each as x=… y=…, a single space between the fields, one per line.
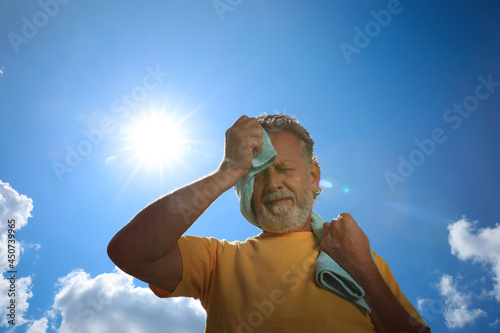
x=287 y=145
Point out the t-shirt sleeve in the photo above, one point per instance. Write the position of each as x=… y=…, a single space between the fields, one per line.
x=199 y=255
x=389 y=279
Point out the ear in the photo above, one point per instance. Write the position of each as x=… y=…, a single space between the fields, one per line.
x=314 y=176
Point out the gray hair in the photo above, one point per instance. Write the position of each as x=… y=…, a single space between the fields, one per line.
x=279 y=122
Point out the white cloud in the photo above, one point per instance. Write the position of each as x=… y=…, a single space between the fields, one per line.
x=495 y=323
x=481 y=245
x=457 y=313
x=38 y=326
x=421 y=303
x=107 y=303
x=111 y=302
x=13 y=207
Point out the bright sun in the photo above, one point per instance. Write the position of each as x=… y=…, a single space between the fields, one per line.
x=156 y=140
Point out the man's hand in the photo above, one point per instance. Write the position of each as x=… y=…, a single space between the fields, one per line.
x=243 y=143
x=348 y=245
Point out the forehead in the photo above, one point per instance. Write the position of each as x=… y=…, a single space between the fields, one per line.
x=287 y=145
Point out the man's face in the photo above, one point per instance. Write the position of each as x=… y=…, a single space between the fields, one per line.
x=282 y=196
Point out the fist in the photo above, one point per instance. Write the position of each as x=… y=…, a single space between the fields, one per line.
x=347 y=244
x=243 y=143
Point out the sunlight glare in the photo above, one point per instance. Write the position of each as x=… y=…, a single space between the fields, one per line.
x=156 y=140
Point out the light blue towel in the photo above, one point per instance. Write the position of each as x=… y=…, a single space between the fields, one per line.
x=244 y=186
x=329 y=274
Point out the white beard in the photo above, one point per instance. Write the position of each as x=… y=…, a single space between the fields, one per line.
x=281 y=219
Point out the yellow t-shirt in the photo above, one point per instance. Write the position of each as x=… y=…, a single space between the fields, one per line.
x=267 y=284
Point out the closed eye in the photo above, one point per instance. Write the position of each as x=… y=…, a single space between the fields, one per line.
x=277 y=169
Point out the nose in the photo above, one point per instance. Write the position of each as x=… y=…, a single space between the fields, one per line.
x=273 y=180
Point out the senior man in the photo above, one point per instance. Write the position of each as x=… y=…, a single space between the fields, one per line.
x=266 y=283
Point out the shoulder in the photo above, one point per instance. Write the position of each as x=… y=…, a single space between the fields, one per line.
x=209 y=242
x=382 y=265
x=386 y=274
x=377 y=258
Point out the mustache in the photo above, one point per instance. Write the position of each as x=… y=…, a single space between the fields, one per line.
x=273 y=196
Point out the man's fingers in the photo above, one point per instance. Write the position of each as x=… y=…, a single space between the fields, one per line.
x=252 y=128
x=345 y=215
x=243 y=142
x=247 y=127
x=346 y=218
x=247 y=123
x=326 y=227
x=251 y=143
x=240 y=120
x=257 y=149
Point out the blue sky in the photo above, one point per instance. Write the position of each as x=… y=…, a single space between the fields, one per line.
x=401 y=98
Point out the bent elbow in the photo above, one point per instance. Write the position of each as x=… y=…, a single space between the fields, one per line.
x=115 y=253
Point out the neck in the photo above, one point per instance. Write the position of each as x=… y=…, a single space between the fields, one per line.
x=305 y=227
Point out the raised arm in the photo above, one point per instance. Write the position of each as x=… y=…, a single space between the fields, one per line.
x=146 y=247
